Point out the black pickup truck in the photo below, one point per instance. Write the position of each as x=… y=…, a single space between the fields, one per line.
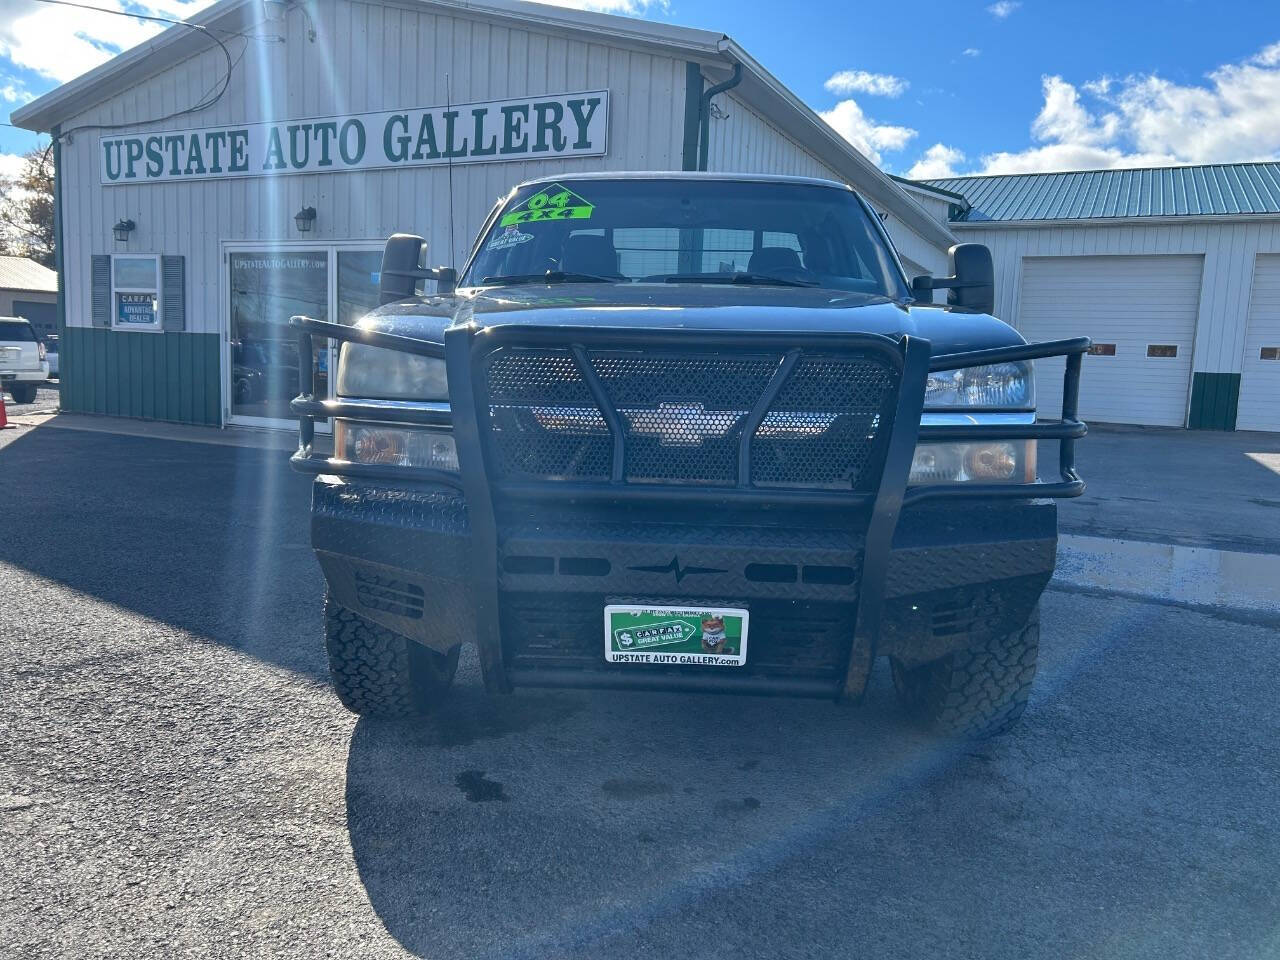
x=686 y=432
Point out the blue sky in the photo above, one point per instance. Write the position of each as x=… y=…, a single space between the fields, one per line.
x=924 y=88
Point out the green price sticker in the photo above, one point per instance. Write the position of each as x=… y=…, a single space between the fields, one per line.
x=555 y=202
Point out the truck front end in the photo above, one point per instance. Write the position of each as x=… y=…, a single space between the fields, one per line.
x=692 y=507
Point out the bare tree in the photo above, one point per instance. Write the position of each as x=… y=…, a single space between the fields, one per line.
x=26 y=209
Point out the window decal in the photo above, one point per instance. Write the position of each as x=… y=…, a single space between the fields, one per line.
x=555 y=202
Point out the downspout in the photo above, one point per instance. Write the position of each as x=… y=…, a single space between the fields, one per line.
x=59 y=265
x=704 y=112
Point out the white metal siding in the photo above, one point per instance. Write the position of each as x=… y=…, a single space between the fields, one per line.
x=1131 y=302
x=337 y=74
x=1259 y=407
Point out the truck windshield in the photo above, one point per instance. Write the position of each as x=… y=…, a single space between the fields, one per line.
x=687 y=231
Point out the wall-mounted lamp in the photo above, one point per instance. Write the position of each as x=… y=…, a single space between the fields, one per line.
x=305 y=219
x=122 y=229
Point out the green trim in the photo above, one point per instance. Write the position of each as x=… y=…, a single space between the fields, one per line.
x=1214 y=399
x=59 y=265
x=692 y=107
x=152 y=376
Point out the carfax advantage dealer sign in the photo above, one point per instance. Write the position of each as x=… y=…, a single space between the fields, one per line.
x=561 y=125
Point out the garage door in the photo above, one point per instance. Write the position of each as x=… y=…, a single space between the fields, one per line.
x=1141 y=314
x=43 y=316
x=1260 y=375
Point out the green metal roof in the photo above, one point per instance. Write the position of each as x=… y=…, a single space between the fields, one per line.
x=1226 y=189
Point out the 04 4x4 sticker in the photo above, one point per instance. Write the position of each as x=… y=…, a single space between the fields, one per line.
x=555 y=202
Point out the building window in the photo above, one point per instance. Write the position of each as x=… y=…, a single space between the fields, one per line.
x=1162 y=350
x=1269 y=353
x=135 y=292
x=1102 y=350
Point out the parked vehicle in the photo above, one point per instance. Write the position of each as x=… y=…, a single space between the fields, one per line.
x=51 y=354
x=23 y=365
x=686 y=432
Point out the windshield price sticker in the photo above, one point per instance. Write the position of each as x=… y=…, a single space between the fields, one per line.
x=673 y=636
x=555 y=202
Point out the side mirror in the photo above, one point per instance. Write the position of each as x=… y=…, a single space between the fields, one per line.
x=972 y=284
x=402 y=260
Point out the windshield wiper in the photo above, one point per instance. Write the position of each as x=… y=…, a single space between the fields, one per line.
x=550 y=276
x=762 y=279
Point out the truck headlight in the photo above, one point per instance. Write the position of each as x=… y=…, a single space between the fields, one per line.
x=994 y=461
x=1001 y=385
x=393 y=445
x=375 y=373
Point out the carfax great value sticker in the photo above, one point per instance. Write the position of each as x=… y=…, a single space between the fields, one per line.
x=675 y=635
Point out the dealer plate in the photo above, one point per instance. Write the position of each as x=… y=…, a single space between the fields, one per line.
x=680 y=636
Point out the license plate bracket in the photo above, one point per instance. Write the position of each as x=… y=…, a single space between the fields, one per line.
x=665 y=635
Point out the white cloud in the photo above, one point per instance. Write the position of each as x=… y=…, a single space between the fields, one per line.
x=11 y=165
x=936 y=162
x=13 y=91
x=861 y=81
x=1146 y=120
x=1003 y=8
x=867 y=136
x=60 y=43
x=971 y=52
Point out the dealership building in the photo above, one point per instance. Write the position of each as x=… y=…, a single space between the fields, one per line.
x=199 y=207
x=196 y=214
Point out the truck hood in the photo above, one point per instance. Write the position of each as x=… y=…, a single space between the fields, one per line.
x=693 y=307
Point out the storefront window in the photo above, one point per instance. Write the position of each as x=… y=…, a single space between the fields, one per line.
x=266 y=290
x=135 y=284
x=270 y=286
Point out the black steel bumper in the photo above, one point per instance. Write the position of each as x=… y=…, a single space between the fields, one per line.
x=832 y=578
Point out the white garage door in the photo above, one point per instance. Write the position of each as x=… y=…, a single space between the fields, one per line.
x=1141 y=314
x=1260 y=378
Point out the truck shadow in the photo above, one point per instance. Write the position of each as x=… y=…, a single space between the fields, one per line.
x=555 y=824
x=213 y=540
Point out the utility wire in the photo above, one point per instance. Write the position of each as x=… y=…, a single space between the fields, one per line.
x=205 y=103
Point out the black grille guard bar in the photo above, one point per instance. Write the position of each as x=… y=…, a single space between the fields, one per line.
x=439 y=416
x=891 y=496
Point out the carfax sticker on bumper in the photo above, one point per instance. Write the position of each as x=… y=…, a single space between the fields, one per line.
x=696 y=636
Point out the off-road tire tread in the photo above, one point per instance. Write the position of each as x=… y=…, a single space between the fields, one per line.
x=377 y=672
x=974 y=693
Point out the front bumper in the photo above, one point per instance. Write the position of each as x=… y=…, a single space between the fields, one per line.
x=832 y=577
x=401 y=556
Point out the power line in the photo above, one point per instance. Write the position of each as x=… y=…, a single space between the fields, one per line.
x=205 y=103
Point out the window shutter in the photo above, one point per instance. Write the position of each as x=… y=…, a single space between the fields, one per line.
x=173 y=295
x=100 y=284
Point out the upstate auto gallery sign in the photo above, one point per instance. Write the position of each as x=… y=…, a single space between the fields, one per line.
x=533 y=128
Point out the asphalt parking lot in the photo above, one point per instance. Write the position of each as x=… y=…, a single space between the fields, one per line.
x=179 y=780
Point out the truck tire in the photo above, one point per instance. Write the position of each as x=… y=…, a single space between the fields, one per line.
x=24 y=393
x=379 y=673
x=975 y=693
